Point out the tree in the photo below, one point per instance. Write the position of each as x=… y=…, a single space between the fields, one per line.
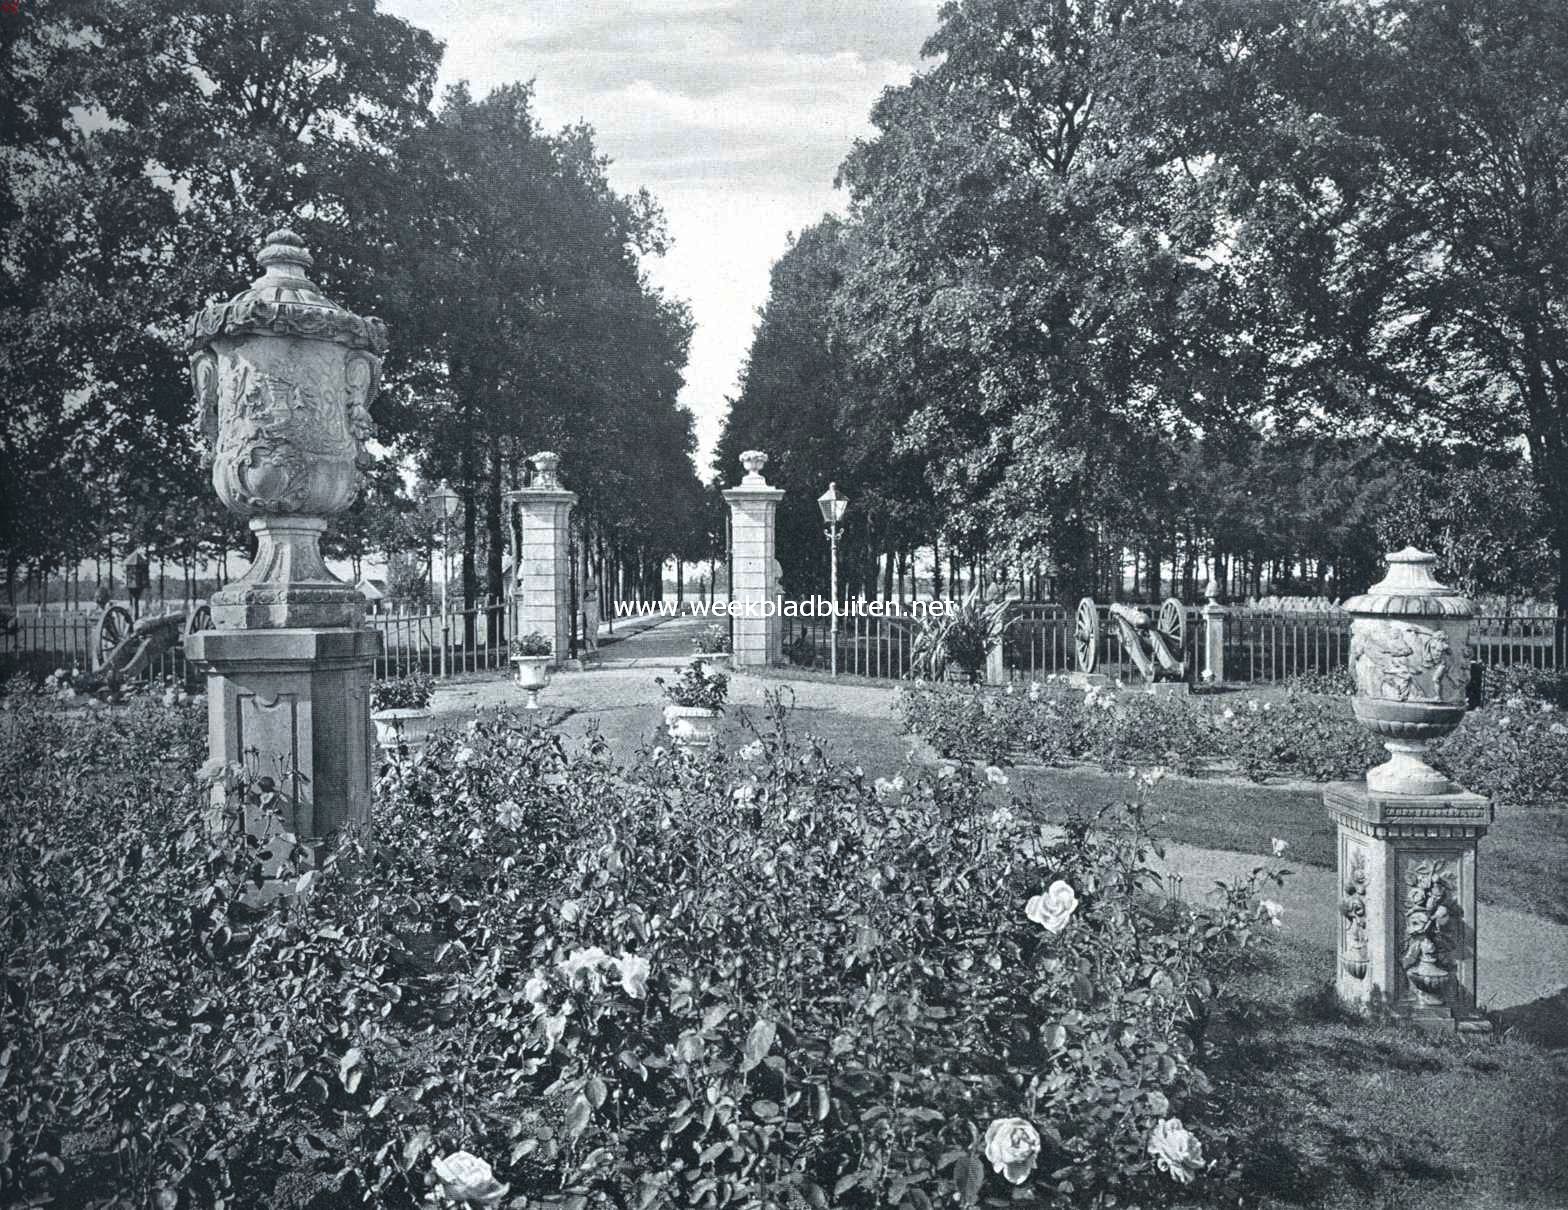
x=148 y=147
x=1032 y=295
x=1400 y=197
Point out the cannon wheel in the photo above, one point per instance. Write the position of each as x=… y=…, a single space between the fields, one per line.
x=1086 y=634
x=113 y=627
x=1173 y=625
x=200 y=619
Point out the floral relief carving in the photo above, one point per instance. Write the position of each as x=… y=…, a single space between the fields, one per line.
x=1353 y=917
x=1432 y=927
x=360 y=375
x=1406 y=662
x=204 y=372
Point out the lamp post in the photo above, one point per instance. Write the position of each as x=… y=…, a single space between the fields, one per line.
x=446 y=500
x=834 y=504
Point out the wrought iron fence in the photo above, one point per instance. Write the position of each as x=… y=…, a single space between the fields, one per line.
x=868 y=646
x=415 y=639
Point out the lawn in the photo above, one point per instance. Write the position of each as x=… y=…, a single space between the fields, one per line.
x=1333 y=1112
x=1521 y=857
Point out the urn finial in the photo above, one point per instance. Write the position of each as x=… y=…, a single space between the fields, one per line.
x=754 y=461
x=545 y=464
x=285 y=250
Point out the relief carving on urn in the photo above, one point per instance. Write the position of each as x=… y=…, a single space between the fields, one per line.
x=284 y=379
x=1408 y=653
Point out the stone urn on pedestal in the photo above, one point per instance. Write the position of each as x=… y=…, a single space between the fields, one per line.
x=1407 y=835
x=284 y=379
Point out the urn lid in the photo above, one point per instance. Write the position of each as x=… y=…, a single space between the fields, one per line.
x=284 y=302
x=1411 y=590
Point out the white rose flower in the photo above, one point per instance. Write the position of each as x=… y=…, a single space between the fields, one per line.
x=634 y=971
x=995 y=776
x=467 y=1178
x=464 y=755
x=585 y=962
x=1280 y=846
x=571 y=911
x=752 y=751
x=535 y=990
x=1176 y=1151
x=1002 y=818
x=1275 y=910
x=1229 y=714
x=1012 y=1145
x=1054 y=908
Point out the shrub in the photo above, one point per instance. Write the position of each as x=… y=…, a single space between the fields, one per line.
x=531 y=644
x=1336 y=682
x=1500 y=682
x=1515 y=750
x=711 y=640
x=410 y=692
x=1306 y=735
x=962 y=636
x=685 y=982
x=696 y=688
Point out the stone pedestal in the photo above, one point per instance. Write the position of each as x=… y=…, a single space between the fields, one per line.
x=1214 y=615
x=544 y=570
x=1407 y=908
x=294 y=705
x=756 y=626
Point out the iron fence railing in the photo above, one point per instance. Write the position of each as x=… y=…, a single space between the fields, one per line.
x=1261 y=645
x=868 y=645
x=414 y=639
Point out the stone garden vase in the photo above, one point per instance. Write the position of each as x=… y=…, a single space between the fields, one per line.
x=399 y=728
x=1408 y=639
x=691 y=727
x=532 y=674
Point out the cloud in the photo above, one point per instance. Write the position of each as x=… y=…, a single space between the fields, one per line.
x=735 y=113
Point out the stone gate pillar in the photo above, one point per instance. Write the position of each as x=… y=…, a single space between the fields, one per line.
x=284 y=379
x=758 y=630
x=544 y=569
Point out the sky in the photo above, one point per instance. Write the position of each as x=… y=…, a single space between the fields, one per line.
x=735 y=114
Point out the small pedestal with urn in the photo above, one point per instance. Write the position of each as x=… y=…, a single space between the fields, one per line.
x=1407 y=836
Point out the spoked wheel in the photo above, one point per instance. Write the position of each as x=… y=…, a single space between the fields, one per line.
x=200 y=619
x=114 y=626
x=1173 y=624
x=1086 y=635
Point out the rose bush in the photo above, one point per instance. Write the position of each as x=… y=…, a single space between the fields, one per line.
x=1298 y=734
x=555 y=982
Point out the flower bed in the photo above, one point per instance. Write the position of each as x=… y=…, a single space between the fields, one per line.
x=1298 y=734
x=690 y=982
x=1515 y=750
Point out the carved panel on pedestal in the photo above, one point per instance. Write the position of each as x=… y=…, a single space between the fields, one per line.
x=1433 y=925
x=1353 y=953
x=267 y=735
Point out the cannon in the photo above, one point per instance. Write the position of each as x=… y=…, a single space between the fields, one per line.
x=124 y=647
x=1155 y=646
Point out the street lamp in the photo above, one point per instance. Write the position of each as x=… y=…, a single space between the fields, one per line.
x=834 y=504
x=447 y=501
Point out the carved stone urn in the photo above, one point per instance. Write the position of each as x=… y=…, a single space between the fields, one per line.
x=284 y=378
x=1408 y=638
